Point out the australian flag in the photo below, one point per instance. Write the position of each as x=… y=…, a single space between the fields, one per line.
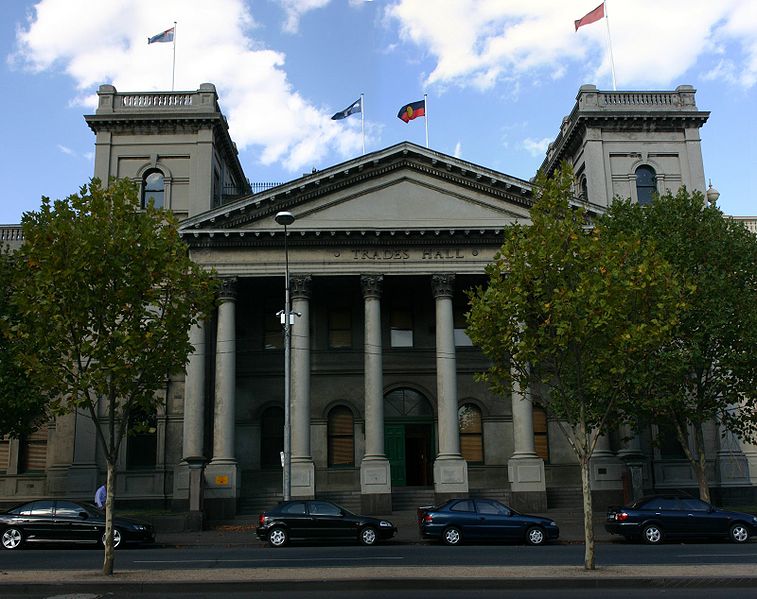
x=165 y=36
x=356 y=106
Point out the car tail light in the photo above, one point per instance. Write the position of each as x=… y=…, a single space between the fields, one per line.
x=262 y=519
x=621 y=516
x=427 y=519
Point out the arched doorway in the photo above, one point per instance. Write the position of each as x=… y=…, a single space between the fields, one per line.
x=409 y=438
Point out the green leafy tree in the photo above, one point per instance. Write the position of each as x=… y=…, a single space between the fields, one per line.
x=567 y=310
x=708 y=372
x=108 y=292
x=23 y=405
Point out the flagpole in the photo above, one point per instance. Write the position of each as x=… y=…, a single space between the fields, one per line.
x=362 y=118
x=609 y=45
x=425 y=114
x=173 y=68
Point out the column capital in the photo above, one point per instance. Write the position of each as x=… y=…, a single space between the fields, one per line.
x=300 y=286
x=443 y=284
x=228 y=289
x=372 y=285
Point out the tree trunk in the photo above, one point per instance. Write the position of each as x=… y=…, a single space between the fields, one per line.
x=588 y=520
x=109 y=503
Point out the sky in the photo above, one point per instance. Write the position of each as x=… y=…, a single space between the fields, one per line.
x=499 y=77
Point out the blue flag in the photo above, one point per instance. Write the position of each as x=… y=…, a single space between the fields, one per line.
x=166 y=36
x=356 y=106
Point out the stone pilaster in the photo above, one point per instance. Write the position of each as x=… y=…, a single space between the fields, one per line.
x=450 y=469
x=606 y=471
x=375 y=473
x=303 y=469
x=221 y=475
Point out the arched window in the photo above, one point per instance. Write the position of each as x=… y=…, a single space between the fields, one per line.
x=471 y=433
x=541 y=436
x=341 y=437
x=584 y=189
x=153 y=189
x=646 y=184
x=271 y=437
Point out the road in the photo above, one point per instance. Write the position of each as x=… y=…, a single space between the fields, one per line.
x=385 y=556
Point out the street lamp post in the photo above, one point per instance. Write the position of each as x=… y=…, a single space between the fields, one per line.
x=286 y=219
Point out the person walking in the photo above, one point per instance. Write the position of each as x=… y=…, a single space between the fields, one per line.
x=100 y=497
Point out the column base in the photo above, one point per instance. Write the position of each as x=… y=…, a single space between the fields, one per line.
x=221 y=489
x=303 y=480
x=375 y=486
x=450 y=478
x=528 y=488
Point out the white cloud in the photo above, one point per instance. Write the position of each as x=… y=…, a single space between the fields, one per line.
x=213 y=43
x=477 y=43
x=66 y=150
x=536 y=147
x=295 y=9
x=458 y=150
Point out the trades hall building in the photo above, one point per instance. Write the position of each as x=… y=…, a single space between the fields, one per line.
x=386 y=411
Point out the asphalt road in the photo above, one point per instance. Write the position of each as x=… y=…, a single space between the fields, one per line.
x=385 y=556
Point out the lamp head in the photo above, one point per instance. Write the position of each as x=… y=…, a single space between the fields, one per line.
x=712 y=195
x=284 y=218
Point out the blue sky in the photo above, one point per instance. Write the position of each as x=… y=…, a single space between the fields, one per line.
x=499 y=74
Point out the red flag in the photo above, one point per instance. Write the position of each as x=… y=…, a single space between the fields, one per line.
x=591 y=17
x=412 y=111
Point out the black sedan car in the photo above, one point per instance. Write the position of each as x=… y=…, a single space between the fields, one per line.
x=655 y=518
x=483 y=519
x=58 y=521
x=321 y=521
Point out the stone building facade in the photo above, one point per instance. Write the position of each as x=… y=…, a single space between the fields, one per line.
x=386 y=411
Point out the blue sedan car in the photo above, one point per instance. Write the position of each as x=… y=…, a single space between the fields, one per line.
x=655 y=518
x=481 y=519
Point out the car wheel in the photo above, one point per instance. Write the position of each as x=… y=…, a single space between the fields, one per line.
x=368 y=536
x=652 y=534
x=278 y=537
x=536 y=536
x=116 y=538
x=452 y=536
x=739 y=533
x=12 y=538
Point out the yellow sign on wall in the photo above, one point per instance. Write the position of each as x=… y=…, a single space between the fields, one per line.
x=222 y=480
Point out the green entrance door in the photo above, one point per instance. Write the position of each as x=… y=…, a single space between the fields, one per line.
x=394 y=445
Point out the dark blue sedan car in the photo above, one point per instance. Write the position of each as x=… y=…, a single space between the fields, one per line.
x=481 y=519
x=658 y=517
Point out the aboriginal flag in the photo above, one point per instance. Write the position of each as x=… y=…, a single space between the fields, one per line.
x=412 y=111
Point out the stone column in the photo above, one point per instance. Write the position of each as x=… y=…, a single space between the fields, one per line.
x=525 y=468
x=188 y=473
x=450 y=469
x=221 y=474
x=375 y=473
x=303 y=469
x=606 y=471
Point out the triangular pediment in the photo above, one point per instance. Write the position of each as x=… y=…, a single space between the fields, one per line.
x=402 y=187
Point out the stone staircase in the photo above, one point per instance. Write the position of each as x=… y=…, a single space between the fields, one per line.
x=411 y=498
x=564 y=498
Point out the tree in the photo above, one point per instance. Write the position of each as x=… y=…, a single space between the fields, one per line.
x=23 y=405
x=567 y=310
x=108 y=293
x=708 y=372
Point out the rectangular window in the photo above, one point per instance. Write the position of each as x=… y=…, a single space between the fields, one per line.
x=33 y=452
x=667 y=441
x=142 y=442
x=340 y=328
x=401 y=324
x=541 y=437
x=4 y=453
x=273 y=329
x=461 y=337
